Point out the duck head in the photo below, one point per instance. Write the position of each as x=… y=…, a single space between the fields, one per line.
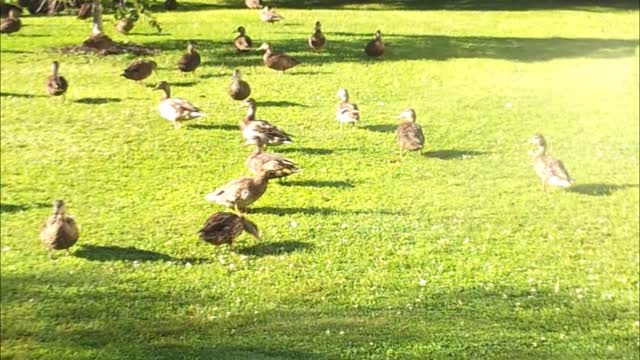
x=250 y=103
x=378 y=35
x=408 y=114
x=241 y=30
x=318 y=26
x=343 y=94
x=191 y=47
x=539 y=141
x=164 y=86
x=236 y=74
x=265 y=46
x=54 y=68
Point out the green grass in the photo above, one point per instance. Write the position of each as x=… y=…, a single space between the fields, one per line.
x=453 y=254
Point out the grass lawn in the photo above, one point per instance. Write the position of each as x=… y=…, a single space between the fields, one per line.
x=455 y=253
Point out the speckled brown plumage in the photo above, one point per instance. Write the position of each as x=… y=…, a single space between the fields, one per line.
x=409 y=134
x=56 y=84
x=260 y=132
x=10 y=24
x=59 y=232
x=190 y=61
x=124 y=26
x=6 y=8
x=139 y=70
x=242 y=192
x=375 y=48
x=239 y=89
x=242 y=42
x=280 y=62
x=224 y=227
x=277 y=165
x=317 y=41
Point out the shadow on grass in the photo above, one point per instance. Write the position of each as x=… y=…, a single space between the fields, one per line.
x=10 y=208
x=387 y=128
x=310 y=151
x=318 y=183
x=28 y=96
x=452 y=154
x=117 y=253
x=275 y=248
x=97 y=100
x=183 y=83
x=280 y=103
x=225 y=127
x=599 y=189
x=314 y=210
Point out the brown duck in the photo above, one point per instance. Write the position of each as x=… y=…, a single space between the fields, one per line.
x=279 y=62
x=268 y=15
x=240 y=193
x=239 y=89
x=6 y=8
x=56 y=84
x=409 y=134
x=190 y=61
x=317 y=41
x=242 y=42
x=375 y=48
x=550 y=171
x=224 y=227
x=12 y=23
x=125 y=25
x=139 y=70
x=278 y=166
x=59 y=232
x=260 y=132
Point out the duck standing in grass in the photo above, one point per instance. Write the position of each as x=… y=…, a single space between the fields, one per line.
x=190 y=61
x=56 y=84
x=409 y=134
x=375 y=47
x=125 y=25
x=279 y=62
x=278 y=166
x=12 y=23
x=260 y=132
x=224 y=227
x=59 y=232
x=239 y=89
x=268 y=15
x=240 y=193
x=317 y=41
x=242 y=42
x=175 y=109
x=347 y=112
x=550 y=171
x=139 y=70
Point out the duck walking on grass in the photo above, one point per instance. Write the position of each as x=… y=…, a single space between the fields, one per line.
x=347 y=112
x=278 y=166
x=240 y=193
x=375 y=47
x=550 y=171
x=190 y=61
x=260 y=132
x=224 y=227
x=242 y=42
x=139 y=70
x=239 y=89
x=56 y=84
x=175 y=109
x=317 y=41
x=281 y=62
x=409 y=134
x=59 y=232
x=12 y=23
x=268 y=15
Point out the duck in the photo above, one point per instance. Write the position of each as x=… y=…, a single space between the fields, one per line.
x=98 y=40
x=347 y=112
x=139 y=70
x=260 y=132
x=190 y=61
x=242 y=192
x=84 y=11
x=12 y=23
x=253 y=4
x=175 y=109
x=268 y=15
x=409 y=134
x=242 y=42
x=57 y=85
x=239 y=89
x=279 y=62
x=317 y=41
x=375 y=48
x=6 y=8
x=550 y=171
x=125 y=25
x=224 y=227
x=277 y=165
x=59 y=231
x=170 y=5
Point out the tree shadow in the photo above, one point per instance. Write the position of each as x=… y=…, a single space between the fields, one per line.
x=311 y=210
x=10 y=208
x=224 y=127
x=280 y=103
x=452 y=154
x=386 y=128
x=183 y=83
x=310 y=151
x=275 y=248
x=117 y=253
x=319 y=183
x=28 y=96
x=97 y=100
x=599 y=189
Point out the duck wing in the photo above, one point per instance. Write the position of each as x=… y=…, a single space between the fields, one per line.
x=410 y=136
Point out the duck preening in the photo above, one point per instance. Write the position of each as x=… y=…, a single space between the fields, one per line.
x=281 y=62
x=260 y=132
x=60 y=231
x=224 y=227
x=550 y=171
x=175 y=109
x=409 y=134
